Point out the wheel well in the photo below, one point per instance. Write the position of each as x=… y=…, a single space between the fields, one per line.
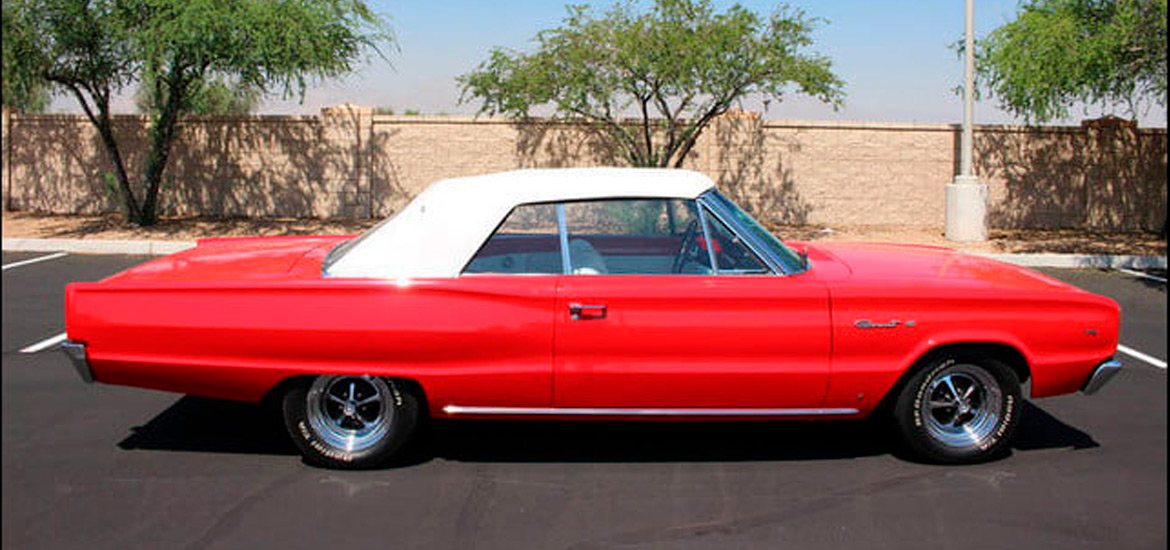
x=1001 y=352
x=415 y=389
x=273 y=397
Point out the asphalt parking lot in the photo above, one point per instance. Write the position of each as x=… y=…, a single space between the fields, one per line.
x=94 y=466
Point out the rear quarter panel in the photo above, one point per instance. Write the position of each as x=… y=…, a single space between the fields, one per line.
x=472 y=337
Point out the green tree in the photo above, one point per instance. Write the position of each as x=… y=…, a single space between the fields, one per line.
x=21 y=91
x=216 y=95
x=674 y=67
x=1060 y=53
x=93 y=49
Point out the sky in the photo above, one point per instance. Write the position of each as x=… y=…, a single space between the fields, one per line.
x=893 y=55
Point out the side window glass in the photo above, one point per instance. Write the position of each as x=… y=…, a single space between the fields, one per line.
x=636 y=237
x=731 y=254
x=527 y=242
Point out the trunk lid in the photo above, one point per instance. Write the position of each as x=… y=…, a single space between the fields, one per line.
x=246 y=258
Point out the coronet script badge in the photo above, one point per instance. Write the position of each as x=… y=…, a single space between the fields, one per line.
x=866 y=323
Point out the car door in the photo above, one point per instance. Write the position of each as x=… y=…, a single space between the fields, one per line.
x=644 y=321
x=498 y=315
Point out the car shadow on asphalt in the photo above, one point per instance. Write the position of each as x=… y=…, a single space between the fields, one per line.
x=1041 y=430
x=197 y=424
x=200 y=424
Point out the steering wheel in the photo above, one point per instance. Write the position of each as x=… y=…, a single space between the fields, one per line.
x=689 y=248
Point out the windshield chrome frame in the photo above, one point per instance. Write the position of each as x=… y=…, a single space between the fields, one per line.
x=760 y=249
x=707 y=238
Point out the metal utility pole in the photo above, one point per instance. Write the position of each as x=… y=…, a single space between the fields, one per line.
x=968 y=91
x=966 y=208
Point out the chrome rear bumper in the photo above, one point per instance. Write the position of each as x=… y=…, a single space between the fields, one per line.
x=76 y=353
x=1101 y=375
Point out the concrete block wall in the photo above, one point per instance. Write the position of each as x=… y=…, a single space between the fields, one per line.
x=350 y=162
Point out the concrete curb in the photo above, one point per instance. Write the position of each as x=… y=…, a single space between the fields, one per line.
x=96 y=246
x=1098 y=261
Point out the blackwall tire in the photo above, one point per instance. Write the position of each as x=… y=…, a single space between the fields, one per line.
x=960 y=409
x=349 y=421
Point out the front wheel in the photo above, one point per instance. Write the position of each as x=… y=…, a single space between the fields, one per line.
x=959 y=409
x=349 y=421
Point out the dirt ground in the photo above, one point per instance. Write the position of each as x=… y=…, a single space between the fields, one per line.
x=45 y=226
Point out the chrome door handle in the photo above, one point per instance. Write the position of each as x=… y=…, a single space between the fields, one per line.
x=582 y=312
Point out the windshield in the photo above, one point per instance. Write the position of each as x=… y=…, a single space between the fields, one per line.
x=791 y=261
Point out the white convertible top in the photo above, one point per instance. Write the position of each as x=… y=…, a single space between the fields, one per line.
x=438 y=232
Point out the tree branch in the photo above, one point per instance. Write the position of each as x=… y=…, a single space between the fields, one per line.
x=613 y=128
x=104 y=125
x=671 y=120
x=695 y=129
x=646 y=134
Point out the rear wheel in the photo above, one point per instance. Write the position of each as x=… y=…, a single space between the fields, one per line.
x=349 y=421
x=959 y=409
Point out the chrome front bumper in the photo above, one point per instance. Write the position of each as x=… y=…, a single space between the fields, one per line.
x=76 y=353
x=1101 y=375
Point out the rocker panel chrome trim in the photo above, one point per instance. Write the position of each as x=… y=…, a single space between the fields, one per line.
x=617 y=411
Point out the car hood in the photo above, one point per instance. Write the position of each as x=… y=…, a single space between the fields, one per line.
x=899 y=263
x=249 y=258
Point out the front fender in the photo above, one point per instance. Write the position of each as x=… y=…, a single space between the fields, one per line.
x=866 y=366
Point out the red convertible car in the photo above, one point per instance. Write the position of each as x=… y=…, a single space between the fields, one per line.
x=592 y=293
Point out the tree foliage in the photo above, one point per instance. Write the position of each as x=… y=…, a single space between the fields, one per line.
x=674 y=67
x=93 y=49
x=21 y=91
x=214 y=95
x=1060 y=53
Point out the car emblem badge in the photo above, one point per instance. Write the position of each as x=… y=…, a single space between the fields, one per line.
x=866 y=323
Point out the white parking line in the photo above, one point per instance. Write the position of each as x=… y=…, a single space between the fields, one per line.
x=1140 y=274
x=44 y=344
x=6 y=267
x=1139 y=355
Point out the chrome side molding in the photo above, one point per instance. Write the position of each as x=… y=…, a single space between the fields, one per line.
x=617 y=411
x=1101 y=375
x=76 y=353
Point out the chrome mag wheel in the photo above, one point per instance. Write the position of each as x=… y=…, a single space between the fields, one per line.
x=350 y=421
x=962 y=407
x=959 y=408
x=350 y=413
